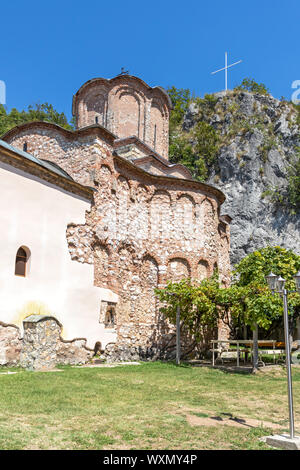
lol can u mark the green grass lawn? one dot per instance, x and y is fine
(149, 406)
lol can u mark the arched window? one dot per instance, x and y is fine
(21, 261)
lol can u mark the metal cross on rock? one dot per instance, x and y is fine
(226, 68)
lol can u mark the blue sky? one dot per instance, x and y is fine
(49, 49)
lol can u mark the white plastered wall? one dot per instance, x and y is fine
(35, 214)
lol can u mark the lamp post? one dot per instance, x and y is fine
(277, 284)
(178, 352)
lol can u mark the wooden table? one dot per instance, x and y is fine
(237, 342)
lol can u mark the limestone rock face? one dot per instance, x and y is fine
(259, 137)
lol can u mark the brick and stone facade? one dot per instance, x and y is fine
(149, 221)
(126, 106)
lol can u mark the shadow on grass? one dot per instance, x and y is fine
(182, 365)
(235, 370)
(228, 369)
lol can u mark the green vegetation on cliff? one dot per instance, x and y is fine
(294, 183)
(201, 127)
(197, 149)
(249, 84)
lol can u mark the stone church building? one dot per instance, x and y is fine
(94, 219)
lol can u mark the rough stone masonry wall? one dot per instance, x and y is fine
(43, 348)
(77, 155)
(139, 236)
(10, 344)
(39, 344)
(142, 231)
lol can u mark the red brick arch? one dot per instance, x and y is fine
(180, 270)
(127, 106)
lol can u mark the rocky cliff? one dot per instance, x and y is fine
(258, 142)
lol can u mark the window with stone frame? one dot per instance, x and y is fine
(110, 316)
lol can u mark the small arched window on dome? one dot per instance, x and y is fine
(21, 262)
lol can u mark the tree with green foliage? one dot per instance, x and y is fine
(180, 149)
(203, 304)
(257, 265)
(197, 310)
(206, 148)
(247, 302)
(253, 269)
(180, 98)
(37, 112)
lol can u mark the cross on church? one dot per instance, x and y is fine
(226, 68)
(123, 71)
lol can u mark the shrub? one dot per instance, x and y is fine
(206, 141)
(198, 158)
(294, 183)
(251, 85)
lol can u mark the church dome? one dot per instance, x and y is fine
(126, 106)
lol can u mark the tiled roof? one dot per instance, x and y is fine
(46, 164)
